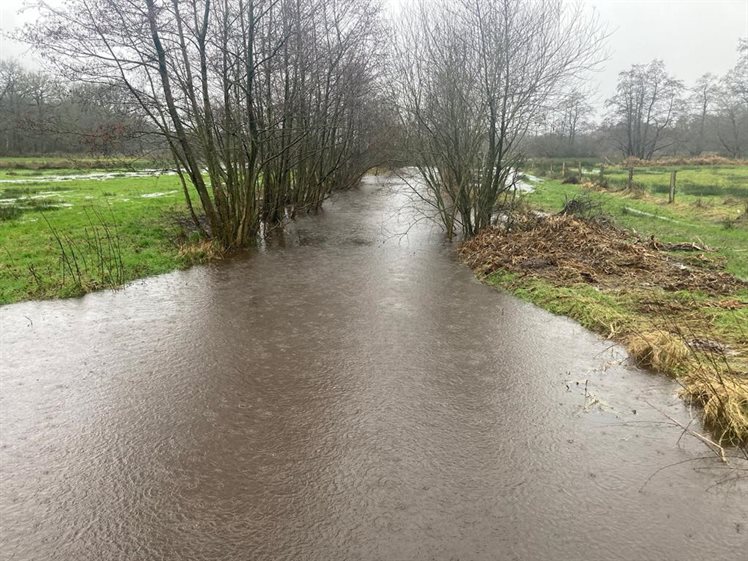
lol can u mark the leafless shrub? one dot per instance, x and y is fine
(470, 78)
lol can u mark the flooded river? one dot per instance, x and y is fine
(351, 393)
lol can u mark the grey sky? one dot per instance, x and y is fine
(692, 36)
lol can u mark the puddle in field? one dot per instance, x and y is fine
(157, 195)
(100, 176)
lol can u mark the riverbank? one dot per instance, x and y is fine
(711, 204)
(670, 301)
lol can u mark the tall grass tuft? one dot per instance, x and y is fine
(94, 260)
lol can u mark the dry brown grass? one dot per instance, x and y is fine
(658, 350)
(723, 396)
(566, 249)
(706, 378)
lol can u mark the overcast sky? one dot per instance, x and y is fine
(692, 36)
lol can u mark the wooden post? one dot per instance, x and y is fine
(580, 171)
(631, 177)
(563, 169)
(602, 173)
(671, 197)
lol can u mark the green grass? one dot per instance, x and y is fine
(617, 313)
(598, 311)
(137, 214)
(702, 181)
(719, 221)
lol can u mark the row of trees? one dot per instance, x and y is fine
(265, 105)
(652, 113)
(41, 114)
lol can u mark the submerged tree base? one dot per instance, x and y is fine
(687, 321)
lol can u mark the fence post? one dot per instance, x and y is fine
(580, 171)
(563, 169)
(631, 178)
(602, 173)
(671, 197)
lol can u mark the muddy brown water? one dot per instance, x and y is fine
(350, 394)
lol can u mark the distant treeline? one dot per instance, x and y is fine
(42, 115)
(651, 115)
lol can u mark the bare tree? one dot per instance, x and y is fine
(646, 103)
(262, 103)
(572, 115)
(564, 122)
(471, 78)
(732, 105)
(11, 101)
(702, 102)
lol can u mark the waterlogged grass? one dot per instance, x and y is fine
(32, 175)
(720, 222)
(31, 167)
(65, 238)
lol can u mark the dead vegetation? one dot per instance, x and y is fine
(638, 292)
(566, 249)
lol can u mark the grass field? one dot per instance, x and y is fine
(65, 232)
(697, 181)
